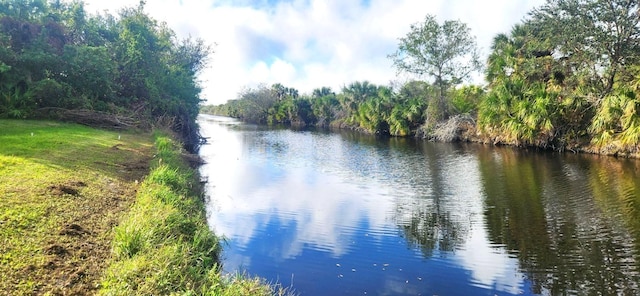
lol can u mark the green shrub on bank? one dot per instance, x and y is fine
(164, 246)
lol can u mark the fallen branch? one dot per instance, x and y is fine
(452, 129)
(91, 118)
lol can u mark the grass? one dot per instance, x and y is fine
(62, 188)
(163, 246)
(78, 216)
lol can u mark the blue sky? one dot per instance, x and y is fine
(313, 43)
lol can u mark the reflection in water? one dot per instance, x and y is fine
(562, 216)
(347, 214)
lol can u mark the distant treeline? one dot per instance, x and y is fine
(125, 69)
(566, 77)
(360, 106)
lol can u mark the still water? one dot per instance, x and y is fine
(348, 214)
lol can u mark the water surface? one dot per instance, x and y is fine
(348, 214)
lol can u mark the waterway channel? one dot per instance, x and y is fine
(339, 213)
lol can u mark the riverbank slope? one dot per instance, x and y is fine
(461, 128)
(78, 215)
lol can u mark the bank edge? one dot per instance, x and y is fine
(163, 245)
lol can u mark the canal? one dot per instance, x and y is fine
(338, 213)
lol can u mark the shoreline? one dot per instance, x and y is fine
(464, 129)
(92, 211)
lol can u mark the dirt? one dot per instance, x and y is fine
(74, 230)
(77, 253)
(69, 188)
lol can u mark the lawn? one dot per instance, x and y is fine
(63, 187)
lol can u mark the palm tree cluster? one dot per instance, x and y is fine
(361, 106)
(566, 77)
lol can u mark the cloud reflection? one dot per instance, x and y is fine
(324, 208)
(259, 181)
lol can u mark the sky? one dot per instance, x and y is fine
(307, 44)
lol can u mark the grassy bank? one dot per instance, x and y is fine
(82, 211)
(163, 246)
(62, 189)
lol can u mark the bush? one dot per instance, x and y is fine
(49, 93)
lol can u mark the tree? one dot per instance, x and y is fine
(55, 56)
(532, 96)
(465, 99)
(599, 41)
(255, 104)
(446, 53)
(599, 37)
(321, 92)
(325, 109)
(355, 94)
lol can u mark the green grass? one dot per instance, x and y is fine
(86, 211)
(163, 246)
(62, 188)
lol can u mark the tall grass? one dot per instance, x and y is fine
(164, 246)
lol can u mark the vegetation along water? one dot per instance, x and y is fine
(400, 216)
(564, 78)
(93, 211)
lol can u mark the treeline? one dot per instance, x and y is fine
(566, 77)
(124, 70)
(360, 106)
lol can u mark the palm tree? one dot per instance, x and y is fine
(354, 95)
(521, 106)
(322, 92)
(279, 91)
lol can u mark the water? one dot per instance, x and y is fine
(348, 214)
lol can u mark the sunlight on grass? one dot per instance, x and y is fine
(164, 246)
(62, 188)
(76, 220)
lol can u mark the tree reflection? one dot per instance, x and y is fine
(572, 221)
(616, 191)
(429, 230)
(426, 220)
(557, 214)
(423, 215)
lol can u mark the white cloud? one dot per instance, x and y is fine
(308, 44)
(322, 211)
(323, 219)
(283, 71)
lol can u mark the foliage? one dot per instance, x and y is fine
(529, 98)
(55, 55)
(599, 37)
(446, 53)
(360, 105)
(465, 100)
(564, 78)
(617, 122)
(325, 106)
